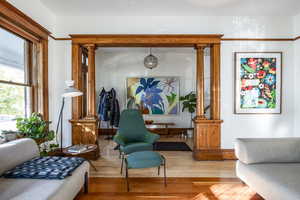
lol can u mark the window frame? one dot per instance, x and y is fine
(20, 24)
(28, 76)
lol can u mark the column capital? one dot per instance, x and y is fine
(201, 46)
(90, 46)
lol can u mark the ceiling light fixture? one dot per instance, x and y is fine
(150, 61)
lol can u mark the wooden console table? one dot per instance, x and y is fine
(165, 125)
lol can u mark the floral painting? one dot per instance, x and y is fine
(258, 83)
(154, 95)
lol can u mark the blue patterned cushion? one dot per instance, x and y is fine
(48, 167)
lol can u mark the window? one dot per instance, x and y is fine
(15, 84)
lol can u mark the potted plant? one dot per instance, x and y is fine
(38, 129)
(9, 135)
(189, 103)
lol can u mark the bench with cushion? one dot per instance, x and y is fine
(270, 166)
(19, 151)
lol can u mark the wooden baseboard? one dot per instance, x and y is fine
(228, 154)
(214, 154)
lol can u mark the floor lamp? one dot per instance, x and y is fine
(69, 92)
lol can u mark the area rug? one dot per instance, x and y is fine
(171, 146)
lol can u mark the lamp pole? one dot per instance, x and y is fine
(60, 122)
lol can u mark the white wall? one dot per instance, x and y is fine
(297, 75)
(256, 125)
(114, 66)
(234, 26)
(230, 26)
(37, 11)
(59, 72)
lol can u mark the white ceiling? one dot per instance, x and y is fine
(173, 7)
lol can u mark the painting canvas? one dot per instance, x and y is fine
(258, 83)
(154, 95)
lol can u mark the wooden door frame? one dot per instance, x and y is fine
(207, 134)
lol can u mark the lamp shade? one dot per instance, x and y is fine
(70, 91)
(150, 61)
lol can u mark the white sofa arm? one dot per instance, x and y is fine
(267, 150)
(17, 152)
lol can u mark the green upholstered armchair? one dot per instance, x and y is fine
(133, 135)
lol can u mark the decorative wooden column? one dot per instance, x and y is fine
(84, 128)
(91, 91)
(215, 82)
(200, 82)
(207, 131)
(76, 76)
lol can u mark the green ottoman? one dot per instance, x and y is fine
(145, 159)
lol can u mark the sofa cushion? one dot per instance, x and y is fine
(30, 189)
(272, 181)
(16, 152)
(45, 167)
(268, 150)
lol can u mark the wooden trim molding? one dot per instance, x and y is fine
(228, 154)
(258, 39)
(138, 40)
(20, 20)
(222, 39)
(54, 38)
(262, 39)
(215, 154)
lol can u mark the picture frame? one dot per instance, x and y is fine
(167, 91)
(257, 82)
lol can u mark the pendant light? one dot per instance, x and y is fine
(150, 61)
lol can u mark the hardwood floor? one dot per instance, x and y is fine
(177, 188)
(179, 163)
(187, 178)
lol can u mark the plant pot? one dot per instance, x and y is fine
(190, 133)
(10, 136)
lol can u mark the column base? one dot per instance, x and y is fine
(208, 154)
(207, 139)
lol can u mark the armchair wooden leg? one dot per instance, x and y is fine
(86, 183)
(165, 173)
(122, 162)
(127, 181)
(158, 170)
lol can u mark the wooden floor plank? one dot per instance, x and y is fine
(179, 163)
(177, 188)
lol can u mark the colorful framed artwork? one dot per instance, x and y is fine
(258, 82)
(154, 95)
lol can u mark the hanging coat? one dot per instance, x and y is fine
(108, 107)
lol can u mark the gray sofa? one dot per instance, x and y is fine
(271, 167)
(16, 152)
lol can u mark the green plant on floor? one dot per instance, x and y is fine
(38, 129)
(189, 103)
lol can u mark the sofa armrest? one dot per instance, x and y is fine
(17, 152)
(267, 150)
